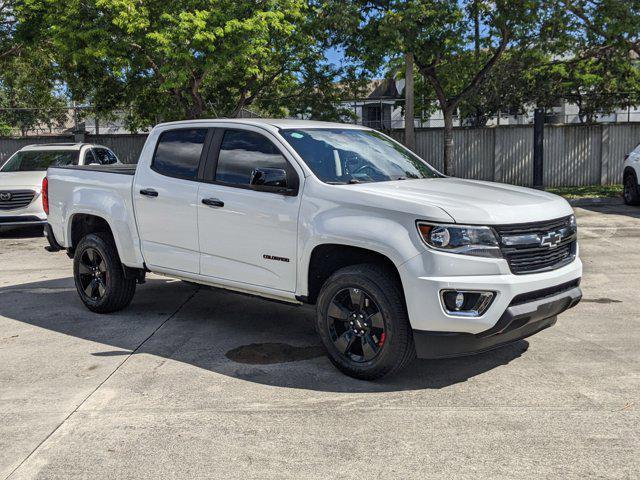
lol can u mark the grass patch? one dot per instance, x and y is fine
(591, 191)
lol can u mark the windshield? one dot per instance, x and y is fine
(31, 161)
(341, 156)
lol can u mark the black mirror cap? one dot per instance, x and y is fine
(275, 180)
(269, 177)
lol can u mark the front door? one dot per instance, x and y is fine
(247, 234)
(165, 198)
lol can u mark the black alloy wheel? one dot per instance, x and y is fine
(362, 320)
(356, 325)
(92, 273)
(99, 275)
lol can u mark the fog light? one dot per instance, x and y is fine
(466, 303)
(459, 300)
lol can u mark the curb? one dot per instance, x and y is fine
(590, 202)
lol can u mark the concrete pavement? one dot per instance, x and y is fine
(193, 382)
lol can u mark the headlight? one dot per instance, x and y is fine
(462, 239)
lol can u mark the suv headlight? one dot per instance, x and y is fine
(462, 239)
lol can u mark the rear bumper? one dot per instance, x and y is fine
(517, 322)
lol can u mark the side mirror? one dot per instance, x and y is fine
(269, 177)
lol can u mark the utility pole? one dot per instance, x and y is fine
(409, 131)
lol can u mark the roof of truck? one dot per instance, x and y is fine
(277, 123)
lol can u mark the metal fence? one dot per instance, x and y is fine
(573, 154)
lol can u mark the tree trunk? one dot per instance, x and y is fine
(448, 141)
(409, 131)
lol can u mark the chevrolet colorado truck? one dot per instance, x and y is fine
(399, 260)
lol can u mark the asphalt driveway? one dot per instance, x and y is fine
(194, 382)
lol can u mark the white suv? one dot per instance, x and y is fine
(22, 174)
(630, 177)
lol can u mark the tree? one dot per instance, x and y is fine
(184, 58)
(28, 84)
(440, 34)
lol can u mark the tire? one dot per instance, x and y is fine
(631, 191)
(99, 276)
(375, 289)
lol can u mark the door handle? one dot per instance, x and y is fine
(213, 202)
(148, 192)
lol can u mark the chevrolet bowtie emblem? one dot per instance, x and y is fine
(551, 239)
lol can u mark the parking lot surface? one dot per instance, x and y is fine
(193, 382)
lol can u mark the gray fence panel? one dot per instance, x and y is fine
(126, 147)
(514, 155)
(574, 154)
(474, 153)
(622, 139)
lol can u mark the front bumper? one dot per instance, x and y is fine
(462, 272)
(520, 320)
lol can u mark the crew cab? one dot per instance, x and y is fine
(398, 259)
(21, 178)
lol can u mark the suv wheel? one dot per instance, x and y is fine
(363, 323)
(631, 193)
(99, 276)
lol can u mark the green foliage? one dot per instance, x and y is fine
(27, 77)
(185, 58)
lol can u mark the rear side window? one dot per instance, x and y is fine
(243, 151)
(178, 153)
(39, 161)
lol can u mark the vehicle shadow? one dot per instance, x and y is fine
(235, 335)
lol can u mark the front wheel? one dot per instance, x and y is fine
(363, 323)
(99, 276)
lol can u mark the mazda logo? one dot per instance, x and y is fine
(5, 196)
(551, 239)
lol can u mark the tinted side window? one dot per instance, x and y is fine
(242, 152)
(178, 153)
(104, 156)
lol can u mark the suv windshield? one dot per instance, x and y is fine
(341, 156)
(34, 160)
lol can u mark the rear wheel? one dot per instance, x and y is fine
(99, 276)
(362, 320)
(631, 193)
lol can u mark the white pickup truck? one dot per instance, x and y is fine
(398, 259)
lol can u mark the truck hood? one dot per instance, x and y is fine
(473, 201)
(21, 179)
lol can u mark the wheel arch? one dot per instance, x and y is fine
(327, 258)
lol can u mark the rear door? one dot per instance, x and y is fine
(165, 197)
(248, 233)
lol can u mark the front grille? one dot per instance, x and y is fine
(522, 248)
(12, 199)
